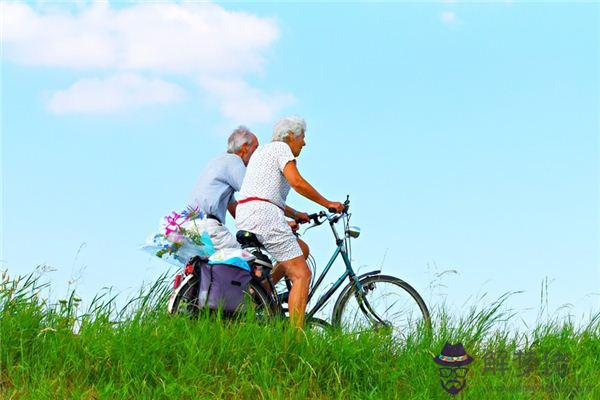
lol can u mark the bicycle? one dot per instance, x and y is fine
(364, 303)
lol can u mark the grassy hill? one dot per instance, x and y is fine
(139, 352)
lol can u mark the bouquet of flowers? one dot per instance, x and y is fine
(176, 242)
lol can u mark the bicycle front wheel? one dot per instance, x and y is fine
(384, 302)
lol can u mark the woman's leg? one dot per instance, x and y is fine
(277, 273)
(298, 272)
(304, 247)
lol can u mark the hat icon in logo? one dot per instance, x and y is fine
(453, 373)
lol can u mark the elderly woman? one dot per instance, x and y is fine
(262, 210)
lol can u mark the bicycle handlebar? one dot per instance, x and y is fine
(334, 216)
(315, 216)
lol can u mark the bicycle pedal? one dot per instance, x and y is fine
(283, 297)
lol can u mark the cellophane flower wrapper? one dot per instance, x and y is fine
(175, 244)
(178, 253)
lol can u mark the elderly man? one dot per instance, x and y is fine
(213, 193)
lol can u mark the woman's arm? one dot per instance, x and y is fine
(296, 215)
(300, 185)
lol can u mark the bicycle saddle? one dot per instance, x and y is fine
(248, 239)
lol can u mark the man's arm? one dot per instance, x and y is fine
(236, 173)
(231, 208)
(231, 205)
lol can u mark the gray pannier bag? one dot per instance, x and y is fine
(222, 286)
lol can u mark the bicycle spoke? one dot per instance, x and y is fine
(387, 299)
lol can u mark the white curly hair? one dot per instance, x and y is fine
(285, 125)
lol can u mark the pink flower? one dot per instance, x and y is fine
(175, 237)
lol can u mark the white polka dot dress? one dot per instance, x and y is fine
(264, 179)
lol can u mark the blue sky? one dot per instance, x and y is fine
(466, 134)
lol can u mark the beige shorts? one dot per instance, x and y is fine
(219, 234)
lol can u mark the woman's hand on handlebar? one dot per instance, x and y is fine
(336, 207)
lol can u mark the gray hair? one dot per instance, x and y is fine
(240, 136)
(285, 125)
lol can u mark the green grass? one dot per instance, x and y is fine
(138, 352)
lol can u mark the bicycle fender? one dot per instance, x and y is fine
(349, 286)
(176, 292)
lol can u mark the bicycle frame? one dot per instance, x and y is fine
(349, 272)
(341, 249)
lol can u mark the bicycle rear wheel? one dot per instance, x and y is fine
(185, 301)
(386, 302)
(256, 302)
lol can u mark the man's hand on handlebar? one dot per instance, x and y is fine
(301, 218)
(294, 225)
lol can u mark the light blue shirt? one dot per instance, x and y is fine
(215, 187)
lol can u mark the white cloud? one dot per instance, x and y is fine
(242, 103)
(57, 39)
(117, 93)
(186, 37)
(448, 17)
(199, 41)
